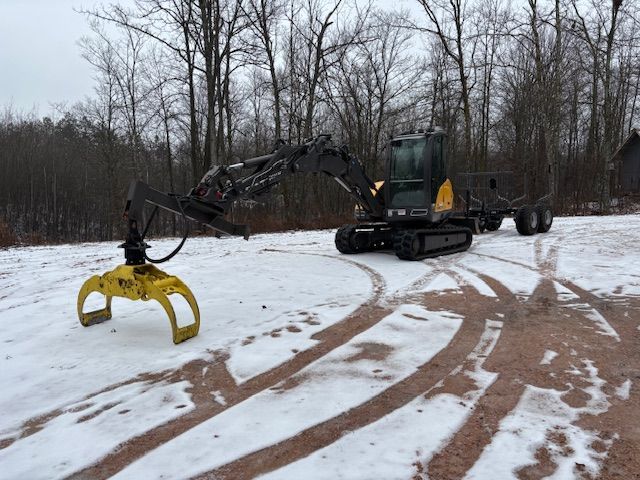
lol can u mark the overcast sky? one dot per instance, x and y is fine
(40, 62)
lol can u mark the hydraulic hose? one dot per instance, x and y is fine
(180, 245)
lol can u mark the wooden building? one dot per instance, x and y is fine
(626, 163)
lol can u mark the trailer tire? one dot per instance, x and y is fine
(494, 224)
(545, 218)
(527, 220)
(343, 239)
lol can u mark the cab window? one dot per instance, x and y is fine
(406, 177)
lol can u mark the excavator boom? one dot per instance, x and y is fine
(207, 204)
(255, 178)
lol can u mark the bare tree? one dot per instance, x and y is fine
(446, 20)
(263, 17)
(367, 86)
(599, 35)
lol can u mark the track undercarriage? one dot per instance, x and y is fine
(408, 243)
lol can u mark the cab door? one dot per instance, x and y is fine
(406, 186)
(441, 188)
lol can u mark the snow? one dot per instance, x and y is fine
(93, 427)
(548, 357)
(474, 280)
(219, 398)
(604, 327)
(564, 294)
(441, 283)
(519, 280)
(267, 300)
(540, 413)
(622, 392)
(43, 342)
(600, 254)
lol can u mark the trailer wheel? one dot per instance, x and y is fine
(343, 239)
(494, 224)
(527, 220)
(545, 218)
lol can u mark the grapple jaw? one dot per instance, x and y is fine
(139, 282)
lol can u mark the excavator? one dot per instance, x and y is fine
(410, 212)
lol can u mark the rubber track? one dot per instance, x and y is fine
(345, 233)
(342, 239)
(403, 240)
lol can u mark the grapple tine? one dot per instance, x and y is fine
(139, 282)
(96, 316)
(180, 334)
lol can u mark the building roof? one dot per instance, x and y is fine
(633, 135)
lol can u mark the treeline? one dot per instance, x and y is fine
(67, 181)
(547, 89)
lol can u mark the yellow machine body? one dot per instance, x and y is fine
(139, 282)
(358, 211)
(379, 184)
(444, 200)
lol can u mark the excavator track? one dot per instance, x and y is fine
(407, 243)
(363, 238)
(418, 244)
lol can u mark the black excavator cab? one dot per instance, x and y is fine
(416, 175)
(417, 200)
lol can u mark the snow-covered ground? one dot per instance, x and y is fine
(326, 359)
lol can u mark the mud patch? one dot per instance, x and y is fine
(370, 351)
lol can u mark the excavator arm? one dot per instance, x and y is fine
(252, 179)
(207, 204)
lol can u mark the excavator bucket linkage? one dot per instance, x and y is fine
(139, 282)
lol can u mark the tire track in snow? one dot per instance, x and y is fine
(547, 263)
(546, 268)
(540, 299)
(428, 376)
(617, 317)
(519, 332)
(623, 458)
(466, 445)
(396, 396)
(366, 316)
(421, 281)
(317, 437)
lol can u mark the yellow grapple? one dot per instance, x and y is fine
(139, 282)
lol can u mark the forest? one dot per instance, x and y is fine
(547, 89)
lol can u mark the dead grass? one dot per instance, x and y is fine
(7, 236)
